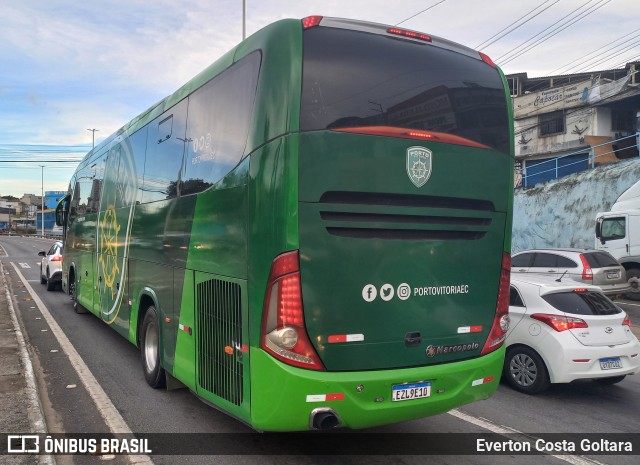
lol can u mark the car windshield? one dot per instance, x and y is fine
(582, 303)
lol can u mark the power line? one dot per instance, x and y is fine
(485, 44)
(524, 48)
(609, 57)
(420, 12)
(567, 65)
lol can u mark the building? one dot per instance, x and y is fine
(51, 198)
(6, 214)
(569, 123)
(31, 199)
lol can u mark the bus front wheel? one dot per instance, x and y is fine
(150, 350)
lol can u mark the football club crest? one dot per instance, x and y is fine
(419, 165)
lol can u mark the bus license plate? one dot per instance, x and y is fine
(610, 363)
(613, 274)
(402, 392)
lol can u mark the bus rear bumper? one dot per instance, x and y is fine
(284, 398)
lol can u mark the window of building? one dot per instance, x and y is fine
(551, 123)
(623, 120)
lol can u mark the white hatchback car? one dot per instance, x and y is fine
(51, 266)
(564, 331)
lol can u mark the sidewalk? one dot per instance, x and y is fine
(20, 411)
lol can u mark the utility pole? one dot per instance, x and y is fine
(244, 19)
(42, 202)
(93, 137)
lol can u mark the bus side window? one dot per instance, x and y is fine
(218, 124)
(164, 153)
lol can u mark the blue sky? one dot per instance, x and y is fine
(68, 66)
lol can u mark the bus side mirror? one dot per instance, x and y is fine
(61, 211)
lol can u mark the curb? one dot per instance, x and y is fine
(34, 410)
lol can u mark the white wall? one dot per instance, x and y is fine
(562, 213)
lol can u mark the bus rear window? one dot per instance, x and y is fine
(353, 79)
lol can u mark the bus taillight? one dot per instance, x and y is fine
(487, 60)
(311, 21)
(283, 331)
(500, 325)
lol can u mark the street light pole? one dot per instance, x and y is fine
(42, 202)
(244, 19)
(93, 137)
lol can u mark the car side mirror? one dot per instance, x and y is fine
(42, 253)
(599, 231)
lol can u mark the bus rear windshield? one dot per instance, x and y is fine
(353, 78)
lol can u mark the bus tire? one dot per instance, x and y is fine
(79, 309)
(150, 350)
(525, 370)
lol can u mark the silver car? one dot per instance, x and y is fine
(51, 266)
(588, 266)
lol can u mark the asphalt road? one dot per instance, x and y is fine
(581, 407)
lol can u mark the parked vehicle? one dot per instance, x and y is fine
(618, 232)
(588, 266)
(51, 266)
(564, 331)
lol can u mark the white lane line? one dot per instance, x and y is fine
(504, 430)
(111, 416)
(5, 251)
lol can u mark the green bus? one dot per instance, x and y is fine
(313, 232)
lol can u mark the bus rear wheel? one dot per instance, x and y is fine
(150, 350)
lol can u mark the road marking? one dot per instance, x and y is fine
(505, 430)
(109, 413)
(4, 250)
(24, 265)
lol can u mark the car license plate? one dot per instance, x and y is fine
(401, 392)
(610, 363)
(613, 274)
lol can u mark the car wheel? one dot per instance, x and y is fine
(51, 285)
(525, 371)
(633, 278)
(150, 350)
(610, 380)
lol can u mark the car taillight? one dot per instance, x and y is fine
(283, 330)
(57, 258)
(587, 272)
(560, 323)
(501, 320)
(626, 321)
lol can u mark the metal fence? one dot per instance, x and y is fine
(538, 171)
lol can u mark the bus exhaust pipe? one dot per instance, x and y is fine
(324, 419)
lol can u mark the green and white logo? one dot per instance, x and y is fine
(419, 165)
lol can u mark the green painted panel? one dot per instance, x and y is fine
(277, 388)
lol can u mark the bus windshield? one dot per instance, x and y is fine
(353, 79)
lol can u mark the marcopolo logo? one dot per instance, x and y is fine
(419, 165)
(432, 351)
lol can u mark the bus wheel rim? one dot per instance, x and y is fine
(151, 348)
